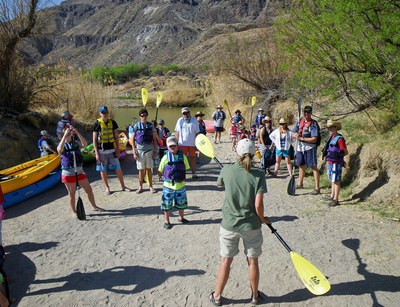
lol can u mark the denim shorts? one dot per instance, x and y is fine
(282, 153)
(229, 242)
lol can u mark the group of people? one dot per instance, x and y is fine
(245, 186)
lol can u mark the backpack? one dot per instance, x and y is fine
(319, 137)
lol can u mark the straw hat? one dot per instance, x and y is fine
(266, 119)
(219, 107)
(199, 114)
(333, 123)
(282, 121)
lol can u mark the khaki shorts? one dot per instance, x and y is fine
(229, 242)
(145, 160)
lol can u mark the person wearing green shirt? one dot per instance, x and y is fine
(173, 166)
(242, 217)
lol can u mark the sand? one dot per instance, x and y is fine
(124, 256)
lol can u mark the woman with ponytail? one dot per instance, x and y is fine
(242, 217)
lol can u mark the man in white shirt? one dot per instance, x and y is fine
(186, 130)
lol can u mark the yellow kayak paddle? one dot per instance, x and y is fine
(204, 145)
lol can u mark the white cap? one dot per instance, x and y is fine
(185, 109)
(172, 141)
(44, 132)
(245, 146)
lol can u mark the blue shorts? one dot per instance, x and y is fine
(334, 172)
(282, 153)
(108, 161)
(173, 197)
(218, 129)
(307, 158)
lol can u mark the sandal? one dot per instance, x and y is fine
(256, 301)
(138, 191)
(99, 209)
(299, 186)
(214, 300)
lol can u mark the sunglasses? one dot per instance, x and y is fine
(307, 112)
(143, 115)
(282, 124)
(172, 146)
(104, 112)
(185, 113)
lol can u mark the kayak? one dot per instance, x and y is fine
(88, 153)
(27, 173)
(15, 197)
(123, 141)
(209, 126)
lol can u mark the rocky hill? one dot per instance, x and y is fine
(88, 33)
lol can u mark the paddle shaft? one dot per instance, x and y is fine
(299, 100)
(156, 113)
(227, 106)
(76, 175)
(217, 161)
(275, 232)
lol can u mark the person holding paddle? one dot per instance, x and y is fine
(219, 117)
(69, 149)
(242, 218)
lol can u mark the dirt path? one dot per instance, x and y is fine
(124, 257)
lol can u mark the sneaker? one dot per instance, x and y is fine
(195, 177)
(167, 225)
(315, 192)
(183, 221)
(333, 203)
(326, 198)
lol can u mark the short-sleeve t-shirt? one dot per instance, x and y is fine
(97, 128)
(241, 188)
(163, 163)
(187, 129)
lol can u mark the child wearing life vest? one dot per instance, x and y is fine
(173, 168)
(334, 151)
(233, 133)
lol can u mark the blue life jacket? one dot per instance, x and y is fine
(202, 127)
(39, 144)
(144, 133)
(67, 156)
(259, 118)
(175, 170)
(334, 154)
(237, 118)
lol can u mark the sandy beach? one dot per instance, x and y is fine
(124, 256)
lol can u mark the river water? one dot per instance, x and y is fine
(126, 115)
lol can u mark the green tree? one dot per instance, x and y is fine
(351, 47)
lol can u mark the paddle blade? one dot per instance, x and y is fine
(145, 96)
(80, 209)
(311, 277)
(253, 101)
(159, 99)
(291, 188)
(226, 103)
(203, 144)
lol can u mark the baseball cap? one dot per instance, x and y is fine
(161, 122)
(44, 132)
(171, 141)
(260, 109)
(65, 115)
(245, 146)
(185, 109)
(103, 108)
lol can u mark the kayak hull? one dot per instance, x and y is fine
(18, 196)
(26, 176)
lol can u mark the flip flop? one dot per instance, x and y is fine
(99, 209)
(214, 300)
(138, 191)
(127, 189)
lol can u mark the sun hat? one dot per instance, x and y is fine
(245, 146)
(44, 132)
(266, 119)
(103, 108)
(260, 109)
(65, 115)
(282, 121)
(333, 123)
(238, 111)
(172, 141)
(161, 122)
(185, 109)
(199, 114)
(219, 107)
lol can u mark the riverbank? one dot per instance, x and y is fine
(124, 256)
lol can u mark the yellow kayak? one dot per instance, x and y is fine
(123, 141)
(27, 173)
